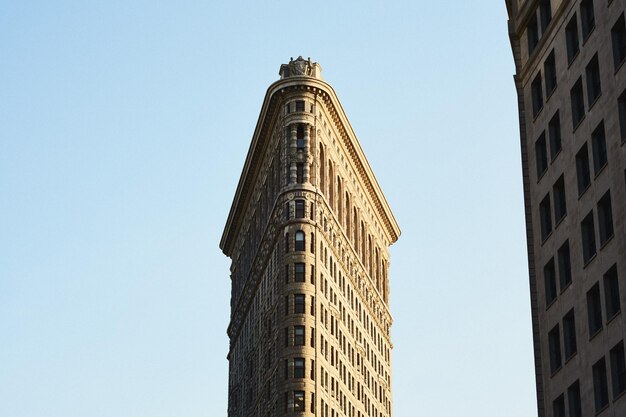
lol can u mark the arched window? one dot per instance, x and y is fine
(339, 207)
(300, 240)
(312, 242)
(355, 236)
(331, 189)
(347, 211)
(322, 170)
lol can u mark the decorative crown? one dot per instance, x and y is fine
(300, 67)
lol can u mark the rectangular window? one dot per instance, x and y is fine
(560, 206)
(565, 265)
(573, 400)
(542, 155)
(298, 335)
(299, 134)
(578, 103)
(554, 344)
(537, 95)
(299, 243)
(587, 17)
(298, 368)
(545, 214)
(545, 14)
(621, 104)
(550, 282)
(598, 146)
(299, 272)
(592, 72)
(298, 304)
(569, 335)
(618, 36)
(583, 172)
(299, 105)
(588, 234)
(571, 38)
(611, 293)
(618, 369)
(286, 370)
(549, 69)
(554, 130)
(600, 385)
(300, 209)
(532, 32)
(298, 402)
(558, 406)
(605, 218)
(594, 311)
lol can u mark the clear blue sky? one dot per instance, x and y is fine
(124, 126)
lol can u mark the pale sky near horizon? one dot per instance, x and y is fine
(124, 126)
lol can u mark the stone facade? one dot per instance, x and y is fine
(571, 86)
(308, 234)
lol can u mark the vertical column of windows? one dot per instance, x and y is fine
(293, 166)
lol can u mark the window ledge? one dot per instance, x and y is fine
(582, 119)
(569, 64)
(586, 38)
(593, 336)
(556, 371)
(606, 242)
(584, 190)
(595, 100)
(543, 174)
(536, 115)
(619, 66)
(600, 411)
(551, 303)
(591, 258)
(613, 317)
(559, 221)
(551, 93)
(556, 155)
(544, 240)
(601, 170)
(566, 286)
(572, 356)
(620, 395)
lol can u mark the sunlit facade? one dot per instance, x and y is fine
(308, 234)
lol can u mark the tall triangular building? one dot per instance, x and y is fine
(308, 234)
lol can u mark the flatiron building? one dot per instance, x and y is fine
(308, 234)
